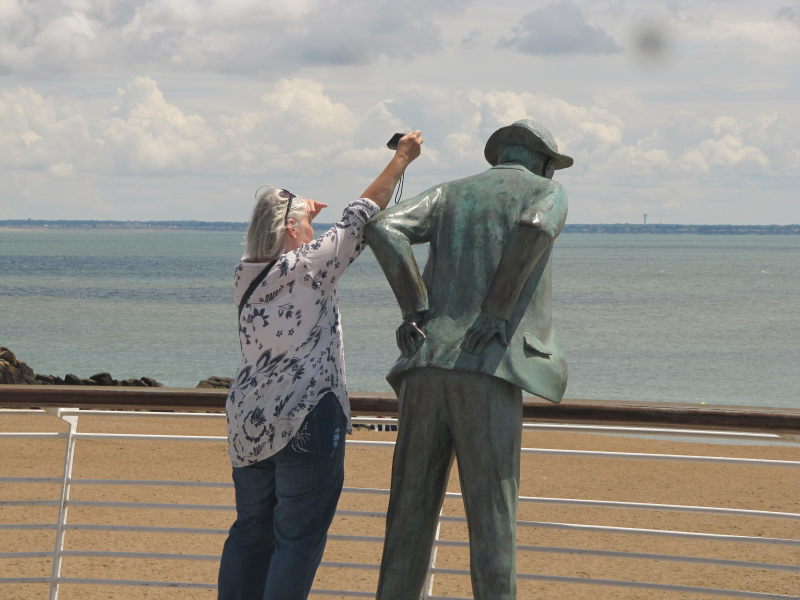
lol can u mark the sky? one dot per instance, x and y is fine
(685, 110)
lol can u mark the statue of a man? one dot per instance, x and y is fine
(476, 331)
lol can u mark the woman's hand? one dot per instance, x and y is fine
(314, 208)
(410, 146)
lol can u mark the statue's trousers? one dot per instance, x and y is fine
(479, 418)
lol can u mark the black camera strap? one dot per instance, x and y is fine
(253, 285)
(399, 191)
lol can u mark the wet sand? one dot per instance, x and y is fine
(772, 488)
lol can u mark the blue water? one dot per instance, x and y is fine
(677, 318)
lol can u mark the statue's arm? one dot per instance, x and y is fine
(391, 234)
(530, 240)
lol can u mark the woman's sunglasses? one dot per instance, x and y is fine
(288, 196)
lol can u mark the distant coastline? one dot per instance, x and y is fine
(676, 228)
(661, 228)
(98, 224)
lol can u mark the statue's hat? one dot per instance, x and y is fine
(528, 134)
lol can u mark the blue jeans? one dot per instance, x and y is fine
(284, 507)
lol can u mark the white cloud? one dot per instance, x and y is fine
(760, 30)
(298, 123)
(727, 151)
(271, 37)
(577, 129)
(144, 133)
(301, 103)
(359, 159)
(36, 131)
(59, 38)
(62, 170)
(463, 146)
(790, 13)
(754, 36)
(559, 28)
(30, 137)
(366, 29)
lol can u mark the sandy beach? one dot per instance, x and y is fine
(772, 488)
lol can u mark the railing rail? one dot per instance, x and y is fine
(573, 411)
(726, 423)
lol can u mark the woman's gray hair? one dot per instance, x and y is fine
(267, 230)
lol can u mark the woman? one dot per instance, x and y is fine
(287, 409)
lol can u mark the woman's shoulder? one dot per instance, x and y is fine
(246, 270)
(362, 208)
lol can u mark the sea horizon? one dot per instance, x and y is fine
(202, 225)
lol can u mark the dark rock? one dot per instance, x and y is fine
(49, 380)
(103, 379)
(7, 355)
(13, 370)
(70, 379)
(216, 382)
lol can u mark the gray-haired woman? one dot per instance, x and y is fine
(287, 409)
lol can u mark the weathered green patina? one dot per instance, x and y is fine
(476, 331)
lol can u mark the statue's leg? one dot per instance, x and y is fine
(420, 470)
(486, 419)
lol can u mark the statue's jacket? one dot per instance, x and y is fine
(470, 224)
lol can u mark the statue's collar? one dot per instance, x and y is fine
(511, 166)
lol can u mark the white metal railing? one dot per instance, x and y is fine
(67, 482)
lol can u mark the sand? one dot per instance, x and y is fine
(772, 488)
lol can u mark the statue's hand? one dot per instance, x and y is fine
(483, 330)
(409, 335)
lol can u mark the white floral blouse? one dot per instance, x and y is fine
(291, 338)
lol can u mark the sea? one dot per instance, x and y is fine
(698, 319)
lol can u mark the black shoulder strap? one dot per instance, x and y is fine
(254, 285)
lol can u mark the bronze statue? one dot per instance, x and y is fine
(476, 331)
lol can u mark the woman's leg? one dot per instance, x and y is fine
(308, 481)
(251, 541)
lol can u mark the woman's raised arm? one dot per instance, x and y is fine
(408, 148)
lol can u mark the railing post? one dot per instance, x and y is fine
(72, 422)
